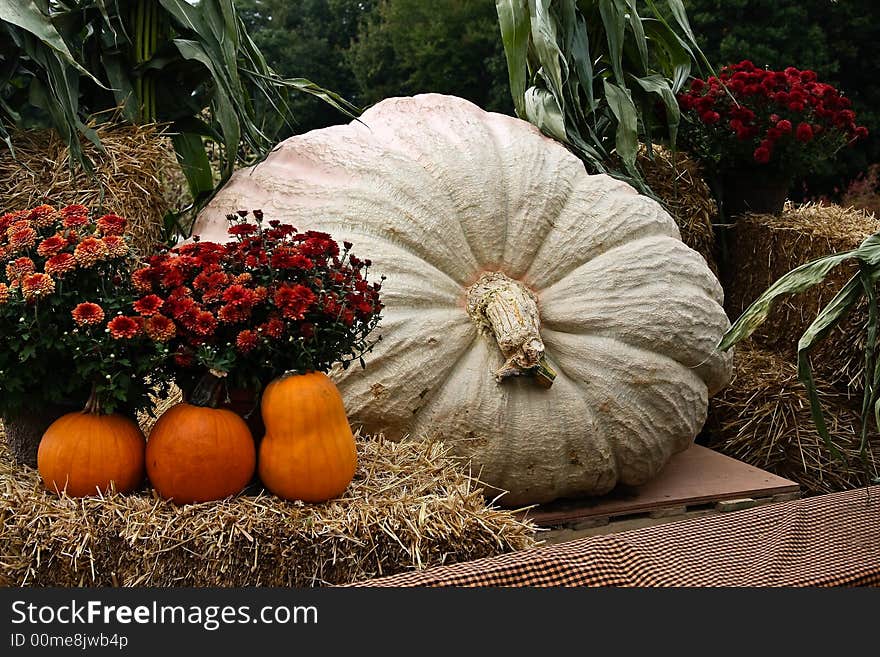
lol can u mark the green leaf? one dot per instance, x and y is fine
(542, 109)
(194, 163)
(797, 280)
(614, 24)
(26, 15)
(658, 85)
(513, 18)
(627, 139)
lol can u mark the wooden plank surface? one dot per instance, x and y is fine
(696, 476)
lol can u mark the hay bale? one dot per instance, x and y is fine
(410, 506)
(763, 418)
(678, 181)
(131, 178)
(764, 247)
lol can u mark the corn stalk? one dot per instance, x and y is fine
(590, 72)
(862, 286)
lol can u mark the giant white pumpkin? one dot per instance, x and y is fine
(504, 257)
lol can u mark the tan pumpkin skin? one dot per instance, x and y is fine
(199, 454)
(308, 452)
(84, 452)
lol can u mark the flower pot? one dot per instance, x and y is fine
(246, 403)
(25, 427)
(753, 190)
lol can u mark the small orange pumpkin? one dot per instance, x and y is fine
(198, 454)
(308, 452)
(83, 452)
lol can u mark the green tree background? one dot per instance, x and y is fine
(367, 50)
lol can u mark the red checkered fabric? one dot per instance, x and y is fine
(828, 540)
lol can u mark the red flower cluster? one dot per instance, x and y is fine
(754, 112)
(295, 298)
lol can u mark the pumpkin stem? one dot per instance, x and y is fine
(507, 309)
(93, 403)
(208, 390)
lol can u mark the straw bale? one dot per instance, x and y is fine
(678, 181)
(764, 247)
(763, 418)
(137, 176)
(411, 505)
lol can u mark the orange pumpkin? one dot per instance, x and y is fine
(83, 452)
(198, 454)
(308, 452)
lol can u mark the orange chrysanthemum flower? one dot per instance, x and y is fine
(89, 252)
(160, 328)
(42, 216)
(111, 224)
(51, 246)
(75, 220)
(87, 314)
(140, 279)
(116, 245)
(60, 264)
(71, 210)
(21, 237)
(37, 286)
(124, 327)
(4, 293)
(18, 269)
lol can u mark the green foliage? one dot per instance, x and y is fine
(194, 66)
(861, 287)
(835, 39)
(592, 72)
(407, 47)
(308, 38)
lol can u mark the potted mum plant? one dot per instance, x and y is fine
(271, 308)
(70, 341)
(756, 130)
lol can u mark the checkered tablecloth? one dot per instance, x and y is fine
(828, 540)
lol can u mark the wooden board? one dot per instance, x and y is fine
(698, 476)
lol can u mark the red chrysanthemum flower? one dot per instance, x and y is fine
(21, 237)
(116, 245)
(37, 286)
(762, 155)
(74, 210)
(247, 341)
(242, 229)
(293, 300)
(18, 269)
(42, 216)
(205, 323)
(148, 305)
(112, 224)
(75, 220)
(804, 132)
(160, 328)
(51, 246)
(274, 328)
(230, 314)
(142, 279)
(87, 314)
(60, 264)
(184, 359)
(238, 295)
(89, 252)
(122, 327)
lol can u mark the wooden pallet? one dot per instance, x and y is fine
(696, 482)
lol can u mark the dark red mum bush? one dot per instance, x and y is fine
(786, 120)
(270, 301)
